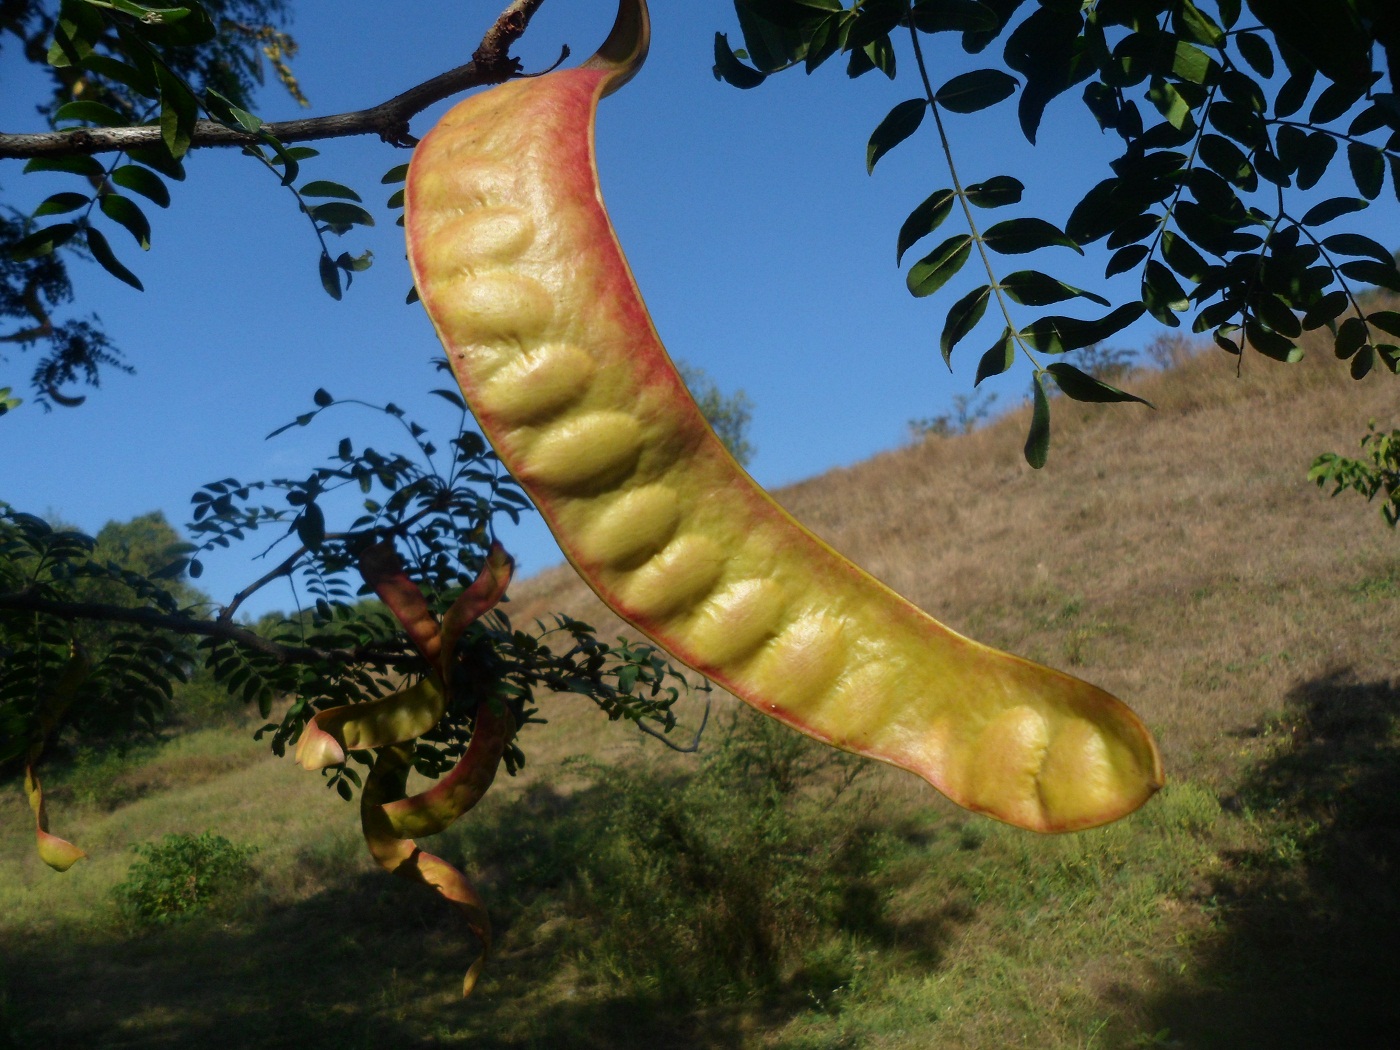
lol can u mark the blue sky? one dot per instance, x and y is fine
(764, 250)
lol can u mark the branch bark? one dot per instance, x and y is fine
(179, 624)
(491, 63)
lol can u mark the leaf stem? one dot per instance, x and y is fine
(963, 200)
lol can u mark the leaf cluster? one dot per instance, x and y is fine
(437, 504)
(123, 64)
(1377, 473)
(1228, 116)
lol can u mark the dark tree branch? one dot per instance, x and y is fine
(180, 624)
(491, 63)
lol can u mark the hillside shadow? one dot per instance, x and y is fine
(371, 961)
(1307, 924)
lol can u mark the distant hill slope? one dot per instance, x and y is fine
(1175, 556)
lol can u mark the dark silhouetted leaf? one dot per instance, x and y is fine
(923, 220)
(1271, 343)
(964, 16)
(78, 164)
(1277, 314)
(330, 276)
(1080, 386)
(995, 192)
(124, 211)
(962, 319)
(1367, 168)
(1018, 236)
(102, 252)
(59, 203)
(156, 157)
(43, 241)
(1326, 310)
(1038, 439)
(323, 188)
(1056, 334)
(341, 213)
(1382, 275)
(1334, 101)
(1257, 53)
(1332, 208)
(1125, 259)
(933, 271)
(1162, 293)
(728, 68)
(139, 180)
(90, 112)
(1321, 148)
(998, 358)
(1386, 320)
(452, 398)
(1351, 337)
(1294, 93)
(1183, 258)
(1357, 244)
(977, 90)
(1049, 51)
(898, 125)
(1033, 288)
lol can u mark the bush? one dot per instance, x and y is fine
(740, 880)
(181, 875)
(745, 877)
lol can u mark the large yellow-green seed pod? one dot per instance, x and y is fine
(520, 270)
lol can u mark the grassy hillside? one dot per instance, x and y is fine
(768, 894)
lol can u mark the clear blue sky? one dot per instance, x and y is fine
(764, 250)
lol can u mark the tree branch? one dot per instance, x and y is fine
(491, 63)
(178, 624)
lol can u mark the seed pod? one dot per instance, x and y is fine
(521, 273)
(410, 712)
(384, 787)
(57, 853)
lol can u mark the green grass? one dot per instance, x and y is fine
(768, 893)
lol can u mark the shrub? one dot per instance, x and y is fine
(180, 875)
(743, 878)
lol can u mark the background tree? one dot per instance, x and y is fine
(728, 414)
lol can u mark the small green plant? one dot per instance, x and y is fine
(180, 875)
(1376, 474)
(739, 877)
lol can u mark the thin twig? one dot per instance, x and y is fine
(491, 63)
(694, 744)
(290, 562)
